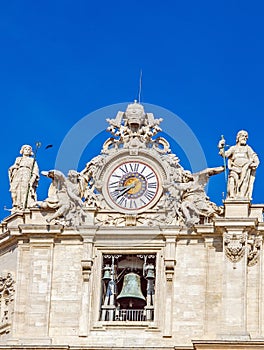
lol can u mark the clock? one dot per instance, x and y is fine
(133, 186)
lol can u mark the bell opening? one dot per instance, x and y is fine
(128, 287)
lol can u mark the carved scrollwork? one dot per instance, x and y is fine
(161, 145)
(86, 269)
(169, 268)
(110, 220)
(6, 299)
(110, 146)
(235, 246)
(254, 245)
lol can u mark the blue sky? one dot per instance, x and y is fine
(61, 60)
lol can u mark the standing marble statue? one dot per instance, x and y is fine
(23, 177)
(242, 162)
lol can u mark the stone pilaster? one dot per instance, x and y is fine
(87, 263)
(38, 305)
(254, 284)
(22, 289)
(35, 265)
(213, 284)
(234, 287)
(170, 262)
(34, 283)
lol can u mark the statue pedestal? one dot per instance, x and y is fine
(237, 208)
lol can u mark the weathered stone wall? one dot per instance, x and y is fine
(8, 260)
(189, 289)
(205, 290)
(66, 289)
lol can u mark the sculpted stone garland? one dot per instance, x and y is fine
(254, 246)
(6, 298)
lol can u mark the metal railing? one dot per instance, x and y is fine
(113, 314)
(130, 315)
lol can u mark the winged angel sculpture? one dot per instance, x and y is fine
(64, 196)
(190, 197)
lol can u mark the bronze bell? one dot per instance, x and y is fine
(107, 273)
(131, 293)
(150, 275)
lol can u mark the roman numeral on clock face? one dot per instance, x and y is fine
(152, 185)
(132, 204)
(124, 168)
(117, 176)
(113, 184)
(147, 172)
(134, 167)
(122, 202)
(150, 176)
(149, 194)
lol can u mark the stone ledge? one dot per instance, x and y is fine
(228, 345)
(236, 222)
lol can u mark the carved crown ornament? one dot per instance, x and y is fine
(235, 246)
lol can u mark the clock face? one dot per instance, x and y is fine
(133, 185)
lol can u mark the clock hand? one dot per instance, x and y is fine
(116, 192)
(126, 189)
(120, 188)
